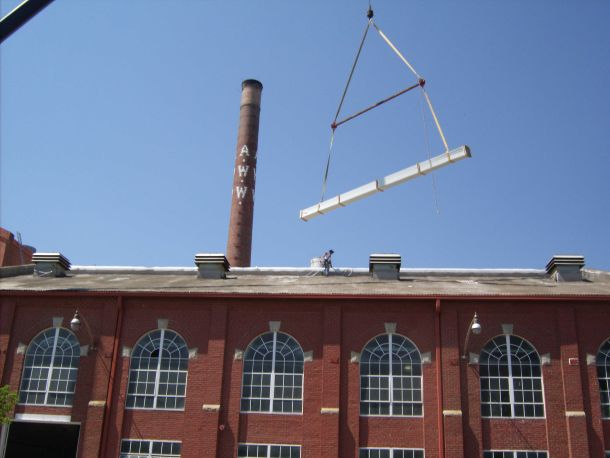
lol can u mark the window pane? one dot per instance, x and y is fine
(158, 372)
(273, 359)
(133, 448)
(390, 377)
(390, 453)
(50, 368)
(272, 451)
(603, 375)
(505, 361)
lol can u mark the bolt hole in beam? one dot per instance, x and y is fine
(387, 182)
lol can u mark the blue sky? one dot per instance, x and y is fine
(119, 126)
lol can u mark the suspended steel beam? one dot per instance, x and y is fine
(13, 21)
(394, 179)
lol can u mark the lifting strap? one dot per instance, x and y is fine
(438, 125)
(391, 45)
(351, 73)
(349, 80)
(421, 82)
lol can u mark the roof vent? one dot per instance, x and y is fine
(385, 266)
(212, 265)
(316, 262)
(50, 264)
(566, 267)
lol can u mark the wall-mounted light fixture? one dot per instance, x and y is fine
(475, 328)
(75, 323)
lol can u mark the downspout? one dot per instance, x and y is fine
(110, 391)
(439, 379)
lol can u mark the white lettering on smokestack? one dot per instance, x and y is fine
(244, 151)
(241, 191)
(243, 170)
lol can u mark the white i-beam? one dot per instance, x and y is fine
(381, 184)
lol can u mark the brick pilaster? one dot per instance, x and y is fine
(578, 444)
(451, 384)
(212, 405)
(331, 378)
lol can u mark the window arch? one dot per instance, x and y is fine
(390, 377)
(603, 376)
(273, 375)
(511, 379)
(50, 369)
(158, 372)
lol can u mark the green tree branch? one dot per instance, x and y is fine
(8, 399)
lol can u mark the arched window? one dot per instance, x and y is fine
(511, 379)
(273, 375)
(50, 369)
(159, 366)
(390, 377)
(603, 375)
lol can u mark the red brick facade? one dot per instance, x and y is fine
(332, 328)
(12, 253)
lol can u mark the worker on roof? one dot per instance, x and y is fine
(327, 262)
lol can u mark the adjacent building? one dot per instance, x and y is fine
(12, 251)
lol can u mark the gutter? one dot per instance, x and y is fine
(283, 296)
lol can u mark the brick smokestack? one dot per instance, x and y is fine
(239, 244)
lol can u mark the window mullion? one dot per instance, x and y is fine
(272, 376)
(158, 372)
(50, 374)
(390, 381)
(511, 392)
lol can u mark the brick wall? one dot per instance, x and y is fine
(332, 329)
(12, 253)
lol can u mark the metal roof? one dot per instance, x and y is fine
(309, 282)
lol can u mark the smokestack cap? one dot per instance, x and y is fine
(212, 265)
(50, 264)
(251, 83)
(566, 267)
(385, 266)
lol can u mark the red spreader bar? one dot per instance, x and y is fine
(420, 83)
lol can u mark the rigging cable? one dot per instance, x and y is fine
(427, 138)
(349, 79)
